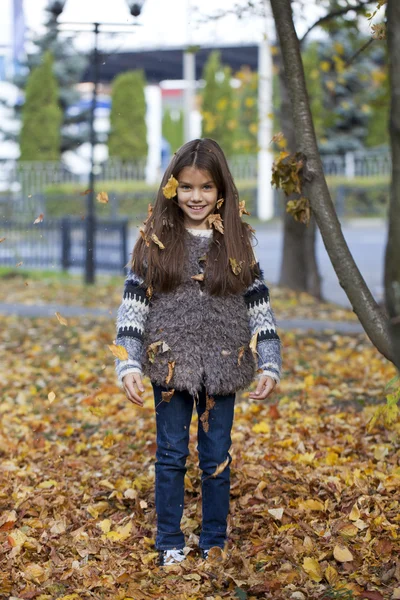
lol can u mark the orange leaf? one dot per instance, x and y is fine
(171, 367)
(39, 219)
(166, 396)
(85, 193)
(169, 190)
(119, 351)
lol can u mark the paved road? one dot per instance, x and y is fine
(366, 242)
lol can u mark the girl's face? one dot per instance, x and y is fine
(197, 196)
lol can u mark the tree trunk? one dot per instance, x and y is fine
(315, 188)
(299, 267)
(392, 259)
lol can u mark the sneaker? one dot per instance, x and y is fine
(171, 557)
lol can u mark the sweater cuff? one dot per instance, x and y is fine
(269, 358)
(125, 367)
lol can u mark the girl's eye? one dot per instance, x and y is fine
(208, 186)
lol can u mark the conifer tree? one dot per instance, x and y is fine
(128, 131)
(41, 115)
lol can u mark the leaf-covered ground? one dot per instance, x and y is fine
(25, 289)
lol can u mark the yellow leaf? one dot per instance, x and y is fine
(157, 241)
(331, 458)
(105, 525)
(261, 427)
(125, 530)
(169, 190)
(61, 319)
(342, 554)
(44, 485)
(312, 505)
(312, 568)
(102, 197)
(309, 381)
(119, 351)
(331, 575)
(221, 467)
(51, 396)
(33, 571)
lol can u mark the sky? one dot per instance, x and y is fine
(162, 22)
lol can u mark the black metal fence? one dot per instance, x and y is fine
(61, 244)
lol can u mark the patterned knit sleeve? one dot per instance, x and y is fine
(131, 321)
(262, 319)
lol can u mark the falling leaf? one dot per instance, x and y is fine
(215, 220)
(312, 568)
(51, 397)
(242, 209)
(119, 351)
(198, 277)
(253, 343)
(221, 467)
(342, 554)
(19, 264)
(171, 367)
(85, 193)
(277, 513)
(235, 266)
(166, 396)
(240, 354)
(39, 219)
(169, 190)
(61, 319)
(102, 197)
(220, 202)
(2, 240)
(157, 241)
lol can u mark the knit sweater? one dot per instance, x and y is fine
(203, 339)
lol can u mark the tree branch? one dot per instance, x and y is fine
(315, 188)
(332, 15)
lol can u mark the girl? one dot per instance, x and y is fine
(194, 301)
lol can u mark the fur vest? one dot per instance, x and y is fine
(207, 337)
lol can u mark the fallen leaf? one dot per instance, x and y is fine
(261, 427)
(312, 505)
(39, 219)
(51, 396)
(102, 197)
(166, 396)
(169, 190)
(215, 220)
(155, 239)
(312, 568)
(331, 575)
(342, 554)
(277, 513)
(119, 351)
(61, 319)
(171, 367)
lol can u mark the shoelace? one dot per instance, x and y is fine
(172, 556)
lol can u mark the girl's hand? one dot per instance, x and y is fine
(133, 386)
(265, 387)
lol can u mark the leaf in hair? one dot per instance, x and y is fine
(169, 190)
(157, 241)
(236, 266)
(149, 213)
(251, 228)
(215, 220)
(144, 237)
(220, 202)
(199, 277)
(171, 367)
(242, 208)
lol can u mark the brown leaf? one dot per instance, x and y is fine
(61, 319)
(119, 351)
(102, 197)
(144, 237)
(39, 219)
(242, 209)
(373, 595)
(273, 412)
(149, 213)
(235, 266)
(210, 402)
(85, 193)
(166, 396)
(156, 347)
(221, 467)
(215, 220)
(2, 240)
(198, 277)
(240, 355)
(157, 241)
(299, 209)
(253, 343)
(169, 190)
(149, 292)
(171, 367)
(220, 202)
(204, 420)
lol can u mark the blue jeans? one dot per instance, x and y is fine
(173, 420)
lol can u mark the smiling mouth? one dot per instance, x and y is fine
(196, 208)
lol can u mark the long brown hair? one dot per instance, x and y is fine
(162, 268)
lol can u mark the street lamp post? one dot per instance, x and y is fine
(56, 7)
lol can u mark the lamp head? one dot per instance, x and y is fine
(135, 7)
(55, 7)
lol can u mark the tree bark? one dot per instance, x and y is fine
(392, 259)
(299, 267)
(315, 188)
